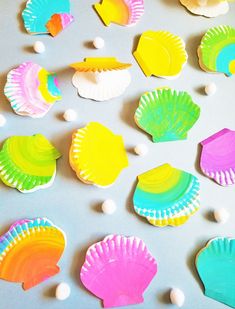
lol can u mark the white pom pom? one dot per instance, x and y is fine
(177, 297)
(141, 149)
(221, 215)
(98, 42)
(70, 115)
(109, 207)
(2, 120)
(210, 89)
(62, 291)
(39, 47)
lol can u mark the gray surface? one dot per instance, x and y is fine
(74, 206)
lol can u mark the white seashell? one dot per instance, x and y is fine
(39, 47)
(62, 291)
(98, 42)
(109, 207)
(2, 121)
(221, 215)
(177, 297)
(210, 89)
(141, 149)
(70, 115)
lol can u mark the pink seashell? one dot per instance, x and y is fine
(136, 8)
(118, 270)
(218, 157)
(59, 22)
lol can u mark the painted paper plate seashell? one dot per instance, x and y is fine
(166, 196)
(37, 14)
(30, 251)
(101, 79)
(59, 22)
(217, 50)
(28, 163)
(121, 12)
(97, 155)
(31, 90)
(216, 267)
(218, 157)
(161, 53)
(118, 270)
(207, 8)
(166, 114)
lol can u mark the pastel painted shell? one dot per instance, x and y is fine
(217, 50)
(207, 8)
(166, 196)
(166, 114)
(30, 251)
(218, 157)
(28, 163)
(59, 22)
(118, 270)
(31, 90)
(161, 53)
(122, 12)
(216, 267)
(97, 155)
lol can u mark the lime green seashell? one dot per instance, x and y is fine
(28, 163)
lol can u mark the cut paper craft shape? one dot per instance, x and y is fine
(28, 163)
(216, 267)
(101, 79)
(161, 53)
(217, 50)
(207, 8)
(97, 155)
(166, 114)
(121, 12)
(218, 157)
(166, 196)
(46, 16)
(31, 90)
(30, 251)
(118, 270)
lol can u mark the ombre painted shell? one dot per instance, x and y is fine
(212, 8)
(59, 22)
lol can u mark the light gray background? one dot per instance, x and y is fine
(74, 206)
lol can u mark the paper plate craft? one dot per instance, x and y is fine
(166, 114)
(217, 50)
(161, 53)
(31, 90)
(97, 155)
(121, 12)
(28, 163)
(166, 196)
(30, 251)
(101, 79)
(118, 270)
(207, 8)
(216, 267)
(218, 157)
(47, 16)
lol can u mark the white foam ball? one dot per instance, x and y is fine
(2, 120)
(109, 207)
(70, 115)
(39, 47)
(98, 42)
(177, 297)
(221, 215)
(62, 291)
(141, 149)
(210, 89)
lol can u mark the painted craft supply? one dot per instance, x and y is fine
(98, 42)
(28, 163)
(70, 115)
(161, 53)
(30, 251)
(118, 270)
(217, 50)
(121, 12)
(207, 8)
(166, 196)
(97, 155)
(3, 121)
(221, 215)
(58, 22)
(62, 291)
(217, 159)
(31, 90)
(166, 114)
(215, 264)
(100, 78)
(39, 47)
(177, 297)
(109, 207)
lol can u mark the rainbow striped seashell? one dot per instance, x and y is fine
(31, 90)
(28, 163)
(218, 157)
(121, 12)
(30, 251)
(59, 22)
(118, 270)
(207, 8)
(217, 50)
(216, 267)
(166, 114)
(97, 155)
(166, 196)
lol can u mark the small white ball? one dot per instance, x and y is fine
(109, 207)
(39, 47)
(210, 89)
(62, 291)
(141, 149)
(177, 297)
(221, 215)
(98, 42)
(70, 115)
(2, 120)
